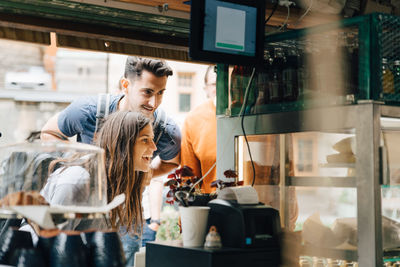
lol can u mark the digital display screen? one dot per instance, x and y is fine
(227, 31)
(229, 28)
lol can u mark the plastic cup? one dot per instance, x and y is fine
(194, 224)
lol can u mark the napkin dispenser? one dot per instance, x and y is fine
(244, 225)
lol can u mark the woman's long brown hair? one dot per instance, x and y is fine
(117, 137)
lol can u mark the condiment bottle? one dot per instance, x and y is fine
(387, 78)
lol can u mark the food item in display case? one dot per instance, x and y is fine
(346, 148)
(23, 198)
(341, 158)
(317, 234)
(346, 228)
(344, 233)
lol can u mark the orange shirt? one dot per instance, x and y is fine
(199, 142)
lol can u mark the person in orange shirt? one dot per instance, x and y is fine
(199, 135)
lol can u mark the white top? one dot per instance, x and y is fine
(67, 186)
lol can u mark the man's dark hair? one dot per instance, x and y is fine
(210, 68)
(135, 65)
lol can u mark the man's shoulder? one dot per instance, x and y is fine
(79, 110)
(162, 118)
(169, 140)
(84, 103)
(90, 102)
(169, 125)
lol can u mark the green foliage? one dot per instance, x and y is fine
(169, 228)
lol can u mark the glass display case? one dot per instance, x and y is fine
(55, 173)
(332, 172)
(322, 137)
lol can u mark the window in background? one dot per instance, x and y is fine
(185, 79)
(184, 102)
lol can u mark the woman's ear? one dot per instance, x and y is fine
(124, 85)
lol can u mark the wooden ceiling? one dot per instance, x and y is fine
(121, 26)
(172, 4)
(279, 17)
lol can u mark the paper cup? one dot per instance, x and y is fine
(194, 224)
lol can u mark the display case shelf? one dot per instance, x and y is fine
(337, 165)
(337, 253)
(333, 253)
(321, 181)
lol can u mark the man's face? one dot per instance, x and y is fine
(211, 86)
(146, 92)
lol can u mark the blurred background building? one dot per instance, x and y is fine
(38, 81)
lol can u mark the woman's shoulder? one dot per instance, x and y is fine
(69, 175)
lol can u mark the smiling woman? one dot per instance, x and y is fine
(127, 139)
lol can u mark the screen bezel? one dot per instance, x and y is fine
(196, 51)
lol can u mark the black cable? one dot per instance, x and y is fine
(272, 13)
(242, 124)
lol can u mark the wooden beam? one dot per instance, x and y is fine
(172, 4)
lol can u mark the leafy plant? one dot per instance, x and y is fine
(230, 180)
(180, 184)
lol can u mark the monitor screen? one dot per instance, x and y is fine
(227, 31)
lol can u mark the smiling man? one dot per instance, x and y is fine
(143, 87)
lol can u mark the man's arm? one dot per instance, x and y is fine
(156, 186)
(161, 167)
(51, 125)
(155, 201)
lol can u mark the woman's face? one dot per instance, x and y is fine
(143, 149)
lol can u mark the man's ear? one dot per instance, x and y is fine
(124, 85)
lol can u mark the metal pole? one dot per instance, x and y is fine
(369, 214)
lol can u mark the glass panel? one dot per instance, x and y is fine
(317, 199)
(310, 154)
(63, 173)
(323, 154)
(327, 219)
(391, 189)
(265, 154)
